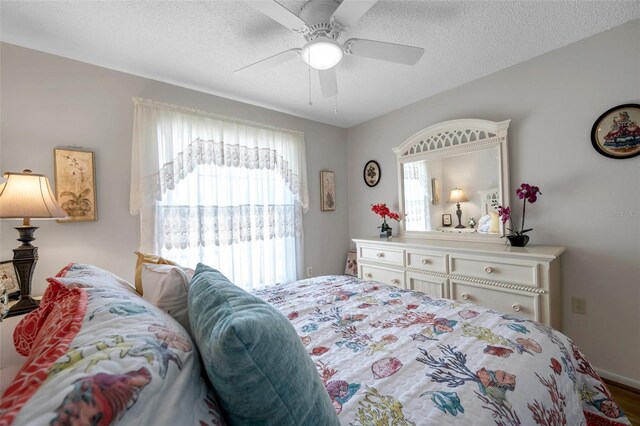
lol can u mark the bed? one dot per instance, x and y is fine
(100, 354)
(392, 356)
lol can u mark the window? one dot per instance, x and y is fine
(417, 196)
(224, 192)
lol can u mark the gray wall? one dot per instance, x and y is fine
(48, 101)
(552, 100)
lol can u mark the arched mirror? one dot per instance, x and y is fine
(451, 177)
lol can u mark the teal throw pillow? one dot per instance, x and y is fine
(259, 369)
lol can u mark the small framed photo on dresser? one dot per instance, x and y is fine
(446, 220)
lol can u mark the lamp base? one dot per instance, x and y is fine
(459, 214)
(25, 258)
(24, 306)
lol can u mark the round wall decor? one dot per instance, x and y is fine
(616, 133)
(371, 173)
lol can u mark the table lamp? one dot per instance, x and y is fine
(26, 196)
(457, 196)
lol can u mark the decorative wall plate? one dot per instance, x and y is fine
(616, 133)
(371, 173)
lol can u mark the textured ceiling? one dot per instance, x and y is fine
(198, 44)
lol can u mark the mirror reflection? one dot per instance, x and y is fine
(463, 186)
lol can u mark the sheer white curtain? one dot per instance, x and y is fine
(417, 196)
(229, 193)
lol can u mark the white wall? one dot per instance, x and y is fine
(48, 101)
(552, 100)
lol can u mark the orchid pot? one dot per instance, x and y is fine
(517, 237)
(518, 240)
(383, 211)
(385, 230)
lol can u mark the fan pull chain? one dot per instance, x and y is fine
(309, 68)
(335, 108)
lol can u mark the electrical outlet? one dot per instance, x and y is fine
(578, 306)
(309, 271)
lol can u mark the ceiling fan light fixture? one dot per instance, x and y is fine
(322, 53)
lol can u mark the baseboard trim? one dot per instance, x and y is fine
(635, 384)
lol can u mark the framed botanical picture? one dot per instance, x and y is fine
(616, 133)
(9, 279)
(327, 191)
(371, 173)
(75, 175)
(446, 220)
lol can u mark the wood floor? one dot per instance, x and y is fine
(629, 400)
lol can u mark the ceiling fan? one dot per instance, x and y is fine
(321, 22)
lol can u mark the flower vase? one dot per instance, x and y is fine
(385, 230)
(518, 240)
(386, 233)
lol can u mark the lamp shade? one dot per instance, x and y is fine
(28, 195)
(457, 196)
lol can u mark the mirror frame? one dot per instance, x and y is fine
(455, 137)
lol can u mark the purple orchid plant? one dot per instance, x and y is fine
(526, 193)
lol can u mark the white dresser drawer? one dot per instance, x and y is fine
(427, 261)
(499, 299)
(433, 286)
(383, 255)
(383, 275)
(495, 269)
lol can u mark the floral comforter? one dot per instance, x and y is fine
(396, 357)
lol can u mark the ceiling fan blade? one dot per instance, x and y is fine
(271, 61)
(350, 11)
(280, 14)
(391, 52)
(328, 82)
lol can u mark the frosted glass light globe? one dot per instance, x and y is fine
(322, 53)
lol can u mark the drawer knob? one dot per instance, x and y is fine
(368, 275)
(379, 255)
(395, 281)
(488, 269)
(465, 296)
(425, 261)
(516, 307)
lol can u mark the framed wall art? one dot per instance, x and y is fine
(75, 176)
(327, 191)
(446, 219)
(616, 133)
(371, 173)
(9, 279)
(351, 268)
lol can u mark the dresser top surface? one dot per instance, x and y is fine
(531, 250)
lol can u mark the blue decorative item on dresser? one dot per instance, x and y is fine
(253, 356)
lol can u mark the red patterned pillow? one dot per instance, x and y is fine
(29, 327)
(48, 338)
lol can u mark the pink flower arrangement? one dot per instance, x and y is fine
(526, 193)
(383, 211)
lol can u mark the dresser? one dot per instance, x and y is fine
(524, 281)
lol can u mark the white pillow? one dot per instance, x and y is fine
(484, 224)
(167, 287)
